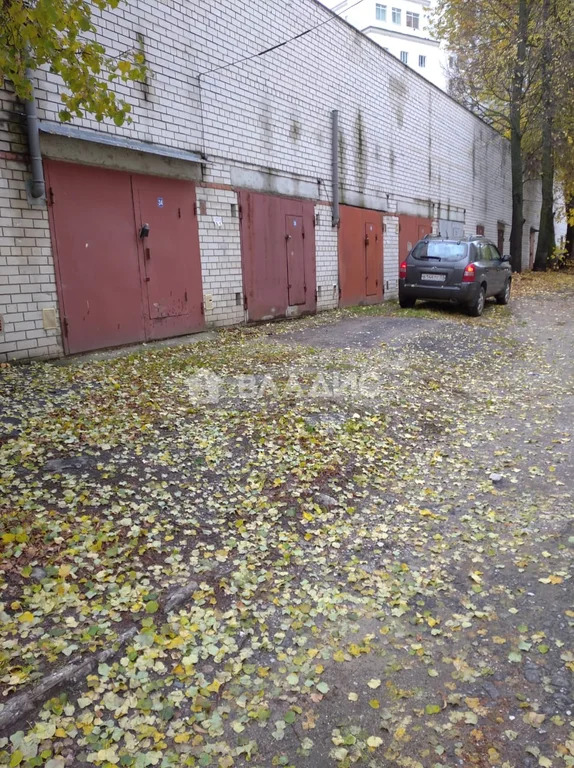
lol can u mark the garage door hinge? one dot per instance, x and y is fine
(240, 213)
(245, 302)
(51, 196)
(303, 234)
(339, 293)
(202, 308)
(65, 326)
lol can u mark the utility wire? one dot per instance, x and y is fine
(279, 45)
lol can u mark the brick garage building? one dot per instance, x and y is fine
(226, 122)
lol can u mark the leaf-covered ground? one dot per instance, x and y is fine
(374, 515)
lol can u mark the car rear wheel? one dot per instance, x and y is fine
(504, 296)
(406, 302)
(476, 306)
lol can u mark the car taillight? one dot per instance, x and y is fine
(469, 274)
(403, 270)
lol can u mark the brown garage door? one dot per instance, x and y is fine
(411, 230)
(278, 255)
(360, 256)
(115, 286)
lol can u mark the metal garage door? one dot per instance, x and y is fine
(360, 256)
(411, 230)
(173, 293)
(116, 287)
(278, 255)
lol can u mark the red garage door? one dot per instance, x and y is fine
(360, 256)
(411, 230)
(173, 292)
(278, 255)
(115, 286)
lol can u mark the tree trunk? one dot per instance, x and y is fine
(569, 244)
(517, 189)
(516, 97)
(546, 238)
(546, 243)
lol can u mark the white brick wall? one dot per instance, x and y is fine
(391, 246)
(403, 140)
(27, 281)
(220, 245)
(265, 124)
(327, 259)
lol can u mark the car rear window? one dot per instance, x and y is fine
(433, 249)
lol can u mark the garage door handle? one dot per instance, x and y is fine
(148, 253)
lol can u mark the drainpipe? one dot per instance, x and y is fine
(38, 186)
(335, 164)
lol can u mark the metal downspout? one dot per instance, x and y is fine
(38, 185)
(335, 164)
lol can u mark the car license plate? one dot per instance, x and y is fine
(431, 277)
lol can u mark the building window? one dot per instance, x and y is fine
(404, 57)
(413, 20)
(480, 229)
(396, 15)
(381, 12)
(422, 61)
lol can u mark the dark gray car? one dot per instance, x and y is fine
(466, 271)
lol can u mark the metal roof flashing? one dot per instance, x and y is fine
(121, 142)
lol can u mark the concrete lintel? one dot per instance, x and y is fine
(118, 158)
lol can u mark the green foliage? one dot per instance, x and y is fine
(558, 258)
(564, 122)
(61, 35)
(483, 39)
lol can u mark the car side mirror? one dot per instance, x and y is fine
(505, 258)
